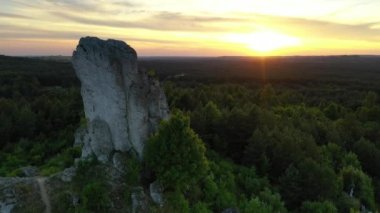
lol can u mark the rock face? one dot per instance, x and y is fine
(122, 104)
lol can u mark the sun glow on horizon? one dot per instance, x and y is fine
(264, 41)
(194, 27)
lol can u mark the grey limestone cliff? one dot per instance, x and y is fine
(122, 104)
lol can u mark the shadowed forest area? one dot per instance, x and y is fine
(279, 134)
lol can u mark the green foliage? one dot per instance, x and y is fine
(152, 73)
(200, 208)
(273, 200)
(134, 167)
(37, 124)
(63, 202)
(309, 181)
(318, 207)
(176, 202)
(249, 182)
(256, 205)
(86, 171)
(300, 140)
(15, 173)
(370, 99)
(333, 111)
(351, 159)
(358, 185)
(61, 161)
(176, 154)
(90, 183)
(222, 186)
(346, 203)
(225, 199)
(369, 156)
(267, 96)
(210, 189)
(94, 197)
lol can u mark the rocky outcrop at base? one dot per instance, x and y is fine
(122, 104)
(18, 194)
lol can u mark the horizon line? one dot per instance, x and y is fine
(221, 56)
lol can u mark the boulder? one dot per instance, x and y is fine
(67, 175)
(8, 200)
(29, 171)
(156, 190)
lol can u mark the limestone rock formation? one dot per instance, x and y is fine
(122, 104)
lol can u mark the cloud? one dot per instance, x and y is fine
(22, 32)
(176, 16)
(10, 15)
(316, 28)
(125, 4)
(64, 20)
(38, 35)
(350, 7)
(9, 32)
(82, 6)
(162, 21)
(90, 6)
(176, 21)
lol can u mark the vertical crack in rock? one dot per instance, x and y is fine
(122, 104)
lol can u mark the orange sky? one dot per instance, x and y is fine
(194, 27)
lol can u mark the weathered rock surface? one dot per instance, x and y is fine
(122, 104)
(29, 171)
(156, 191)
(139, 200)
(66, 175)
(19, 194)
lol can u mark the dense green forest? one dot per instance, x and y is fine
(40, 109)
(257, 145)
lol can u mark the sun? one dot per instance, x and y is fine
(270, 41)
(264, 41)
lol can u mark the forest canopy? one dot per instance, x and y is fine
(273, 146)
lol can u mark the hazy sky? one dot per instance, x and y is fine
(193, 27)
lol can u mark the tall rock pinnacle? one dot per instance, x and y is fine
(122, 104)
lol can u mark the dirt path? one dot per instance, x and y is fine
(44, 194)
